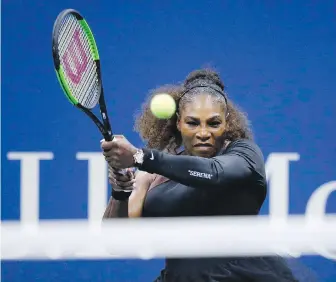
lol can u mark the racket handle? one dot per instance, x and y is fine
(109, 137)
(125, 170)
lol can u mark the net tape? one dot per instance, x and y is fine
(178, 237)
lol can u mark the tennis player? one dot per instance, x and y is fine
(201, 162)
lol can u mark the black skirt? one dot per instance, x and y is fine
(255, 269)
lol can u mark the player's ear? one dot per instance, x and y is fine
(178, 122)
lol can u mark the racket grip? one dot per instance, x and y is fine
(109, 137)
(121, 171)
(125, 170)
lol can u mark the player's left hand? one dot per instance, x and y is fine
(119, 152)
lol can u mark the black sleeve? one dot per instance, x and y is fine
(241, 161)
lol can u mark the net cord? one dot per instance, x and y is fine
(158, 238)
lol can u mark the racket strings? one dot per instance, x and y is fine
(79, 61)
(69, 27)
(87, 97)
(91, 94)
(91, 84)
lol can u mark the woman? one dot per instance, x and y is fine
(201, 162)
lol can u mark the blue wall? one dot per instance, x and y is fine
(277, 60)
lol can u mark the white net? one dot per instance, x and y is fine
(147, 238)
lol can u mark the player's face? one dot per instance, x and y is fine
(202, 126)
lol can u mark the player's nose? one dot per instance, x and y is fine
(203, 135)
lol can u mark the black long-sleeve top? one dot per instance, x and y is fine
(231, 183)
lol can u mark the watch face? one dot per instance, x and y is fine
(139, 157)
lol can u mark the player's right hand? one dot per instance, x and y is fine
(121, 181)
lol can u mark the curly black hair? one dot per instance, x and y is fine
(162, 134)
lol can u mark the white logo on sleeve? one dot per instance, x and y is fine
(200, 174)
(152, 156)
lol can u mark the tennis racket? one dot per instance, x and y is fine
(77, 65)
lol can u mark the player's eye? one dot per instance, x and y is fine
(214, 123)
(192, 123)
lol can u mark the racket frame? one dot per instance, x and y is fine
(104, 126)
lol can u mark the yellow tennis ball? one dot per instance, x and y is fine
(163, 106)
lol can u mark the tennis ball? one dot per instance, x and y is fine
(163, 106)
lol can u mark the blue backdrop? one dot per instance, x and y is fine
(277, 59)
